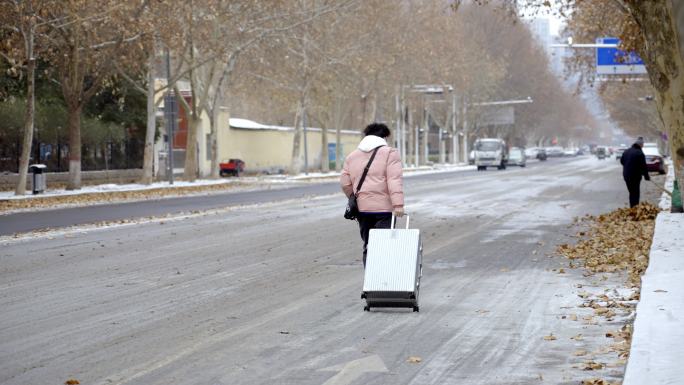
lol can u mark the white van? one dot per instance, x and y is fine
(491, 152)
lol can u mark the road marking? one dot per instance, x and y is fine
(352, 370)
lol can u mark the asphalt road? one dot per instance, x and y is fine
(38, 220)
(271, 295)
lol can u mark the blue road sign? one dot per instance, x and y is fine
(612, 61)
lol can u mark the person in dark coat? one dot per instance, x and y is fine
(633, 167)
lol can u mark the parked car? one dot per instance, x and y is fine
(554, 152)
(231, 167)
(541, 154)
(531, 152)
(619, 151)
(570, 152)
(654, 161)
(516, 157)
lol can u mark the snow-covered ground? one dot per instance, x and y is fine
(111, 187)
(658, 340)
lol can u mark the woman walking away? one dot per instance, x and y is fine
(382, 191)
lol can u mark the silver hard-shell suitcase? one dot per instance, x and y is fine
(394, 265)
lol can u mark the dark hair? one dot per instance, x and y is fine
(377, 129)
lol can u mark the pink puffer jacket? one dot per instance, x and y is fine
(383, 189)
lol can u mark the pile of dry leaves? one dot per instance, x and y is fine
(617, 241)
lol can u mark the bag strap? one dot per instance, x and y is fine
(365, 170)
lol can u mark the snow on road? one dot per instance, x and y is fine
(270, 294)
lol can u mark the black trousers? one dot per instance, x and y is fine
(368, 221)
(633, 186)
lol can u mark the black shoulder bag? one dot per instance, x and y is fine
(352, 211)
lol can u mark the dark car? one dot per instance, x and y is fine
(232, 167)
(541, 154)
(654, 161)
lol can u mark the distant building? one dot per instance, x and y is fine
(542, 31)
(540, 28)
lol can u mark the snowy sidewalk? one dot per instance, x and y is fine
(128, 187)
(658, 341)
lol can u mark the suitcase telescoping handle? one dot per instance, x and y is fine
(394, 219)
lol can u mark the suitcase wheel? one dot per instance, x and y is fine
(363, 295)
(366, 308)
(416, 309)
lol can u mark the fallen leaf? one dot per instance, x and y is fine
(71, 381)
(414, 360)
(577, 337)
(550, 337)
(592, 365)
(598, 381)
(580, 353)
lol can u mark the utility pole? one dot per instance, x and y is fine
(416, 146)
(454, 135)
(170, 115)
(465, 130)
(426, 133)
(426, 130)
(397, 129)
(404, 122)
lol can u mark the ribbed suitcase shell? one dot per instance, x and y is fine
(393, 268)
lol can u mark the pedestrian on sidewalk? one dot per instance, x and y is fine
(382, 192)
(633, 168)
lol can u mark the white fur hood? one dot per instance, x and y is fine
(370, 142)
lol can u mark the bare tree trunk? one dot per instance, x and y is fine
(673, 119)
(296, 163)
(213, 137)
(373, 109)
(325, 164)
(190, 171)
(411, 139)
(74, 116)
(672, 109)
(148, 156)
(338, 148)
(28, 119)
(105, 148)
(663, 58)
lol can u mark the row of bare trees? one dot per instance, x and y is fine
(345, 69)
(337, 63)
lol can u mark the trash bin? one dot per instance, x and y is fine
(38, 181)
